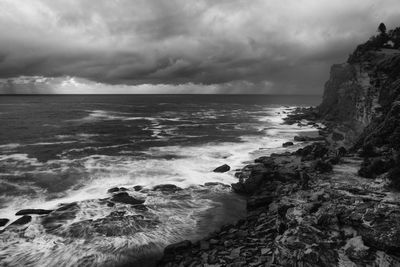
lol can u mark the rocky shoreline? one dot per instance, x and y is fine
(305, 208)
(334, 202)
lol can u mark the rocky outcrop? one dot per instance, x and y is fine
(300, 216)
(305, 211)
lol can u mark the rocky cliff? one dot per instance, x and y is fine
(363, 93)
(329, 203)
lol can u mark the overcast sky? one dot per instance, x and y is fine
(167, 46)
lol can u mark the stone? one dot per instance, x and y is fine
(3, 221)
(140, 207)
(167, 188)
(287, 144)
(222, 168)
(138, 187)
(117, 189)
(33, 211)
(125, 198)
(23, 220)
(113, 190)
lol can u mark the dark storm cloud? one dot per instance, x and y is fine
(283, 46)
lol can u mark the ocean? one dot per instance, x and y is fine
(69, 150)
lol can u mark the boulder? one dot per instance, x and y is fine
(23, 220)
(33, 211)
(113, 190)
(3, 221)
(167, 188)
(222, 168)
(116, 189)
(138, 187)
(286, 144)
(125, 198)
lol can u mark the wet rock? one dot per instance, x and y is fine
(138, 187)
(212, 184)
(167, 188)
(313, 151)
(116, 189)
(177, 247)
(140, 207)
(287, 144)
(3, 222)
(113, 190)
(301, 138)
(222, 168)
(125, 198)
(23, 220)
(33, 211)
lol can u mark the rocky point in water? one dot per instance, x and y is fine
(334, 202)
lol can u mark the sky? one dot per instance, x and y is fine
(181, 46)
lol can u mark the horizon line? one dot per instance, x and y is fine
(16, 94)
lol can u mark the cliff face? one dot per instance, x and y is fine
(362, 93)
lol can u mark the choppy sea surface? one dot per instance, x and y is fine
(58, 150)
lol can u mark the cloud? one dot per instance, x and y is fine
(288, 45)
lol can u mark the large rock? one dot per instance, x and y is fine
(3, 222)
(33, 211)
(167, 188)
(124, 197)
(222, 168)
(21, 221)
(287, 144)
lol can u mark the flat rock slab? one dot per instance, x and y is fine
(23, 220)
(33, 211)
